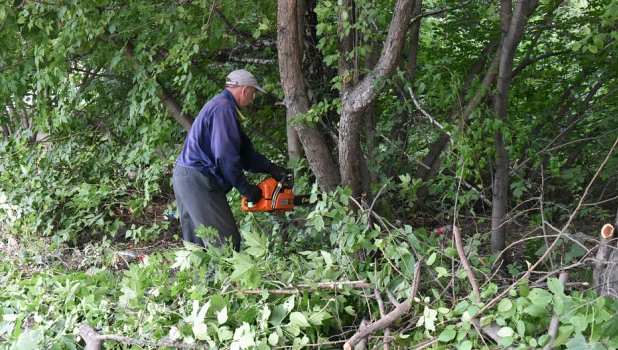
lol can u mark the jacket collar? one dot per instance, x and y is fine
(229, 95)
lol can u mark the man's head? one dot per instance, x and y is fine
(242, 85)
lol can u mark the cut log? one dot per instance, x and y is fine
(605, 273)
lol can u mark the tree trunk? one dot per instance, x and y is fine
(356, 99)
(500, 195)
(296, 100)
(295, 148)
(513, 30)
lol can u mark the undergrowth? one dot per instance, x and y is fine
(82, 245)
(306, 284)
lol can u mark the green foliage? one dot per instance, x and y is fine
(87, 148)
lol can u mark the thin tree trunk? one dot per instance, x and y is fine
(295, 148)
(356, 99)
(296, 100)
(513, 30)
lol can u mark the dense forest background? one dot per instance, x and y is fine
(463, 154)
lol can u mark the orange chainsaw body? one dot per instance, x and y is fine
(276, 196)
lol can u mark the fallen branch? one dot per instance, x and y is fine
(295, 289)
(94, 340)
(390, 317)
(465, 263)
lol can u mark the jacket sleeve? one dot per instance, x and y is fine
(226, 143)
(252, 160)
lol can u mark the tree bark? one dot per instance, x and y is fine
(355, 100)
(296, 99)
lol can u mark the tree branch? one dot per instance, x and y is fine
(390, 317)
(94, 340)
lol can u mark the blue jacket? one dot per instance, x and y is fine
(217, 146)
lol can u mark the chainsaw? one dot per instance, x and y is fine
(277, 196)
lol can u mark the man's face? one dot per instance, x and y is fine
(246, 96)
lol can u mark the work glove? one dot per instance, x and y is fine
(279, 173)
(254, 195)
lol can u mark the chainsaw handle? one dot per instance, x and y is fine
(288, 180)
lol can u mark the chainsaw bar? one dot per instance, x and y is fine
(302, 200)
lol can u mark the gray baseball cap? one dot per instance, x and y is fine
(242, 77)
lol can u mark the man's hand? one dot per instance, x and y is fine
(254, 195)
(279, 173)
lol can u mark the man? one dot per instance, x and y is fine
(213, 157)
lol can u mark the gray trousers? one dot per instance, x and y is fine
(201, 201)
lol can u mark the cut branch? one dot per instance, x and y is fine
(605, 273)
(464, 262)
(391, 317)
(95, 340)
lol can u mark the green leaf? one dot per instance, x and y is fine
(447, 335)
(29, 339)
(288, 304)
(505, 305)
(450, 252)
(244, 337)
(244, 270)
(273, 339)
(256, 244)
(319, 317)
(521, 328)
(465, 345)
(298, 319)
(554, 285)
(441, 271)
(222, 316)
(429, 317)
(540, 297)
(431, 259)
(277, 315)
(535, 311)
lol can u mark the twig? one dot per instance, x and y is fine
(387, 330)
(552, 331)
(428, 344)
(427, 115)
(392, 298)
(579, 264)
(324, 285)
(390, 317)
